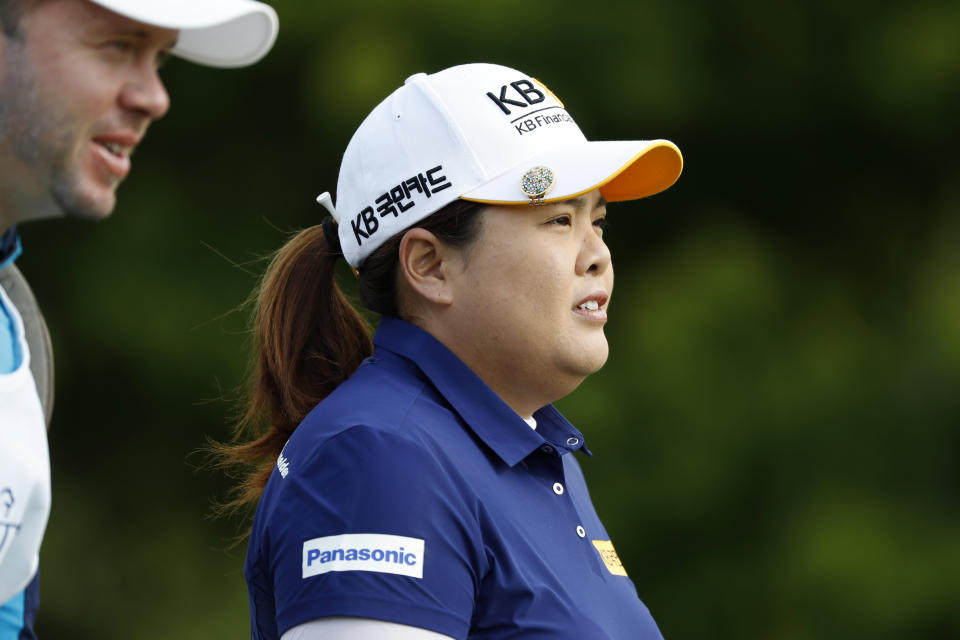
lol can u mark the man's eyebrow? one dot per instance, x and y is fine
(132, 32)
(141, 34)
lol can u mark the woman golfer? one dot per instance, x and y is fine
(424, 486)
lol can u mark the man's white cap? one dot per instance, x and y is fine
(218, 33)
(485, 133)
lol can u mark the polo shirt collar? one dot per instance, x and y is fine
(9, 246)
(485, 413)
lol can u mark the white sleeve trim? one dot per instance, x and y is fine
(342, 628)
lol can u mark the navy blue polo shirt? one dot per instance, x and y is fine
(413, 494)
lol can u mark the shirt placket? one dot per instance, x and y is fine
(553, 476)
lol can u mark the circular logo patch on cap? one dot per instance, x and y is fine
(536, 182)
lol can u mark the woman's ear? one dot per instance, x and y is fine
(424, 263)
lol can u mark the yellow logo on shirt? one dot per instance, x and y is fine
(610, 558)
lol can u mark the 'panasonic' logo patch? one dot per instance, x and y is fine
(364, 552)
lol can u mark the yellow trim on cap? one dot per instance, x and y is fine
(547, 89)
(646, 178)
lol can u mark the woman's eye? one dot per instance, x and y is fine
(601, 223)
(562, 220)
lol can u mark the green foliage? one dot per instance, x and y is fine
(776, 432)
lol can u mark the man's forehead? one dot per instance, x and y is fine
(91, 16)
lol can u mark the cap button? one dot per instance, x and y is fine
(536, 182)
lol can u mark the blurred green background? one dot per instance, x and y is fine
(776, 433)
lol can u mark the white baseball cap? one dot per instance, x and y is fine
(217, 33)
(479, 132)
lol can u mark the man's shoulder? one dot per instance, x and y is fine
(38, 336)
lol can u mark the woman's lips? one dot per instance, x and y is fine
(593, 307)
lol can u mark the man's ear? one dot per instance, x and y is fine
(424, 263)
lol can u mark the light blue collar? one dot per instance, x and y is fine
(10, 248)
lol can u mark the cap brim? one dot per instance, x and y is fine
(622, 170)
(218, 33)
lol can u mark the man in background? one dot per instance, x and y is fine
(79, 86)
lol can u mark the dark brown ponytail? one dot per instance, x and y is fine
(308, 338)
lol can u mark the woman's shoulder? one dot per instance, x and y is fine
(394, 430)
(378, 399)
(405, 450)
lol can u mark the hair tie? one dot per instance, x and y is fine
(331, 235)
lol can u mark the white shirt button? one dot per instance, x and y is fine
(558, 488)
(573, 441)
(546, 448)
(581, 531)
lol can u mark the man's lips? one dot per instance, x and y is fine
(114, 150)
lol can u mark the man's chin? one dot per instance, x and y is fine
(74, 203)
